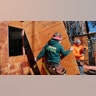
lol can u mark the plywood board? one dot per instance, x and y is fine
(43, 31)
(3, 43)
(38, 33)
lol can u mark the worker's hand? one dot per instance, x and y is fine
(82, 54)
(71, 48)
(35, 59)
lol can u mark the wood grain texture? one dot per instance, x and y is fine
(38, 33)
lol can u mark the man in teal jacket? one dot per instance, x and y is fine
(52, 51)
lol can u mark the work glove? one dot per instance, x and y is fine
(35, 59)
(71, 48)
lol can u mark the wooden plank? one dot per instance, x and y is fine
(14, 61)
(17, 24)
(43, 32)
(29, 32)
(38, 33)
(3, 43)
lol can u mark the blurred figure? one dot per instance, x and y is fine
(79, 50)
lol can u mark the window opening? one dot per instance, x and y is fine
(15, 41)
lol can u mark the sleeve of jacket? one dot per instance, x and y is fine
(41, 54)
(64, 52)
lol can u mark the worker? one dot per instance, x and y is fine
(52, 50)
(79, 51)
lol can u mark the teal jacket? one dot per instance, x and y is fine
(52, 51)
